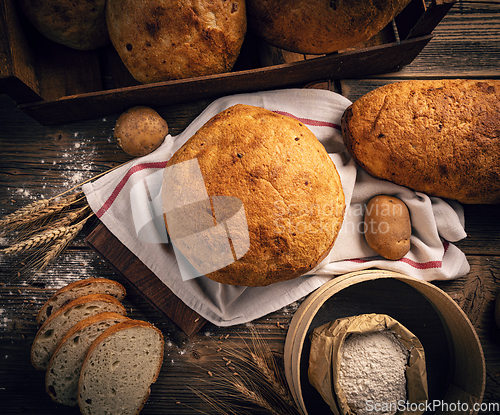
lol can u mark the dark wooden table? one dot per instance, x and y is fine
(41, 162)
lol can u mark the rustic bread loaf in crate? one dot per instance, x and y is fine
(79, 25)
(320, 26)
(161, 40)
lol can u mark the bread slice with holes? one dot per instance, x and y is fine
(58, 324)
(63, 371)
(120, 366)
(77, 289)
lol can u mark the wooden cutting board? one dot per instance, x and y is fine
(143, 280)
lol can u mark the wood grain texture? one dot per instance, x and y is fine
(42, 161)
(142, 280)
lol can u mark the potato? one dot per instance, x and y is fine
(140, 130)
(388, 226)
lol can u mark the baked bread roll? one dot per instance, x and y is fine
(269, 186)
(440, 137)
(320, 26)
(77, 24)
(78, 289)
(119, 368)
(160, 40)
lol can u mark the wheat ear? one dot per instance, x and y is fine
(61, 243)
(22, 213)
(42, 238)
(254, 397)
(259, 361)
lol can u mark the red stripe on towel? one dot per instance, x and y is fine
(308, 121)
(137, 168)
(414, 264)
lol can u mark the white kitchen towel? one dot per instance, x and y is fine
(127, 200)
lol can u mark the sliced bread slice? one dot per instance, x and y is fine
(56, 326)
(63, 371)
(77, 289)
(120, 366)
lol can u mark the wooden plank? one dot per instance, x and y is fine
(18, 76)
(63, 71)
(417, 20)
(350, 64)
(143, 280)
(464, 45)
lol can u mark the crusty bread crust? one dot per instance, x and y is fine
(85, 405)
(440, 137)
(56, 326)
(288, 186)
(79, 25)
(320, 26)
(79, 289)
(61, 379)
(160, 40)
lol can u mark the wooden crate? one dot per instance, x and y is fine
(54, 84)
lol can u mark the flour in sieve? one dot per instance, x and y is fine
(372, 369)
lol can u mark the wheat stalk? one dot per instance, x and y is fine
(255, 398)
(24, 212)
(36, 240)
(251, 375)
(259, 361)
(39, 211)
(60, 243)
(47, 225)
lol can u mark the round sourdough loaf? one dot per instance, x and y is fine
(77, 24)
(272, 168)
(161, 40)
(320, 26)
(440, 137)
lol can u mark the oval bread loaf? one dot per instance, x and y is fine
(440, 137)
(63, 371)
(77, 289)
(265, 178)
(57, 325)
(320, 26)
(119, 368)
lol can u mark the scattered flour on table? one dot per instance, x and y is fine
(82, 156)
(372, 368)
